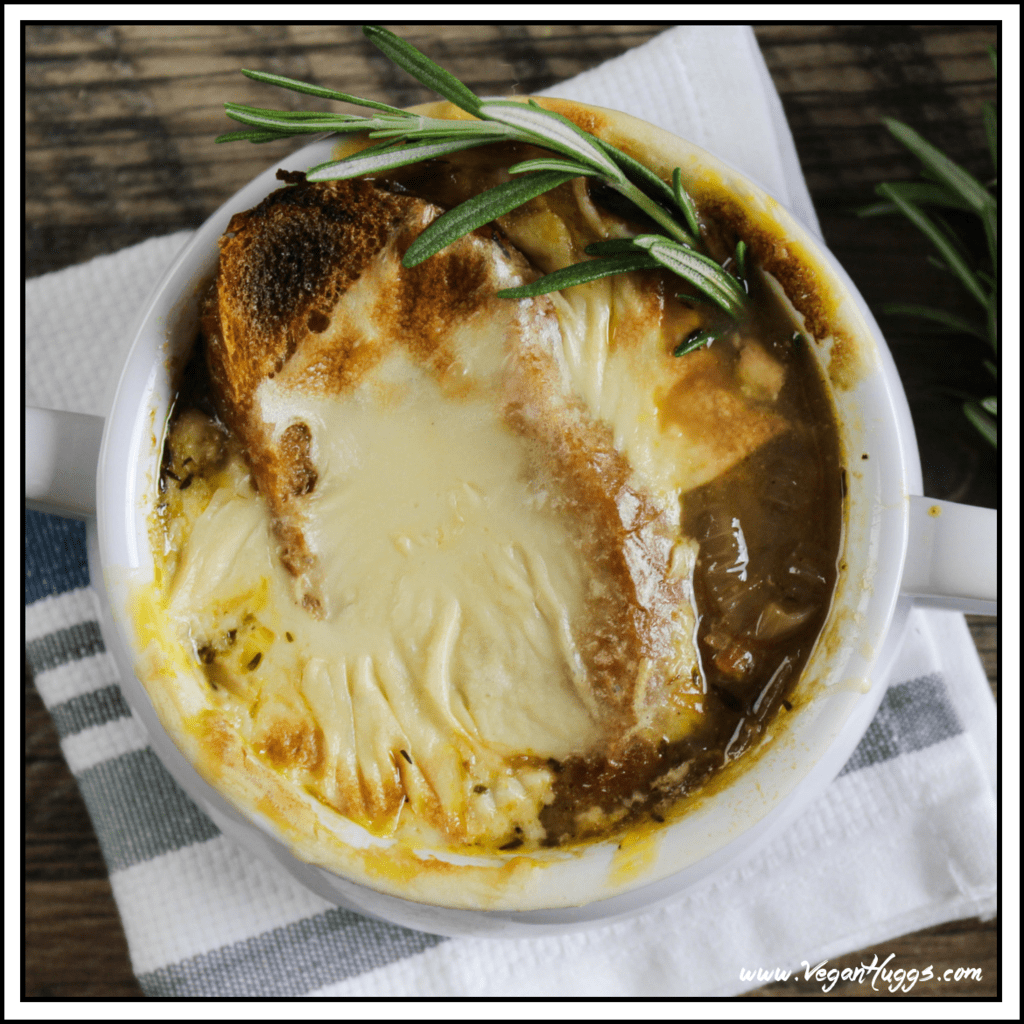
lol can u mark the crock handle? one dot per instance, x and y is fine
(62, 452)
(952, 558)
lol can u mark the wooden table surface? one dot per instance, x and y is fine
(120, 122)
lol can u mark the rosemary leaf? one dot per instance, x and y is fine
(879, 209)
(985, 425)
(955, 177)
(684, 201)
(480, 210)
(550, 164)
(574, 129)
(437, 128)
(293, 115)
(422, 68)
(385, 157)
(291, 125)
(253, 136)
(940, 316)
(920, 192)
(701, 271)
(988, 111)
(698, 339)
(552, 131)
(581, 273)
(317, 90)
(741, 261)
(990, 221)
(611, 247)
(948, 251)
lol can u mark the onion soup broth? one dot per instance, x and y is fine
(737, 466)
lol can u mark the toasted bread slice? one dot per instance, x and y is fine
(310, 295)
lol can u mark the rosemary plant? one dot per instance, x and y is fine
(405, 138)
(948, 186)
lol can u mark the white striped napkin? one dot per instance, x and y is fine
(903, 839)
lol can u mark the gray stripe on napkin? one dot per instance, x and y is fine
(64, 645)
(139, 810)
(292, 960)
(912, 716)
(90, 709)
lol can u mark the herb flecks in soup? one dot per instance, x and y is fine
(489, 573)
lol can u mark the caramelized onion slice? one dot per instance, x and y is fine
(779, 619)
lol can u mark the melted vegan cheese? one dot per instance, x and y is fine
(500, 578)
(678, 422)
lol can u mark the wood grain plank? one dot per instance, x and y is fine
(74, 942)
(985, 634)
(837, 87)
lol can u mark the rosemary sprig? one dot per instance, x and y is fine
(403, 138)
(949, 186)
(699, 338)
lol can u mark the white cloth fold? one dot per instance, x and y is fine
(708, 84)
(903, 839)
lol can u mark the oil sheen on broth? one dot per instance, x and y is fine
(521, 581)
